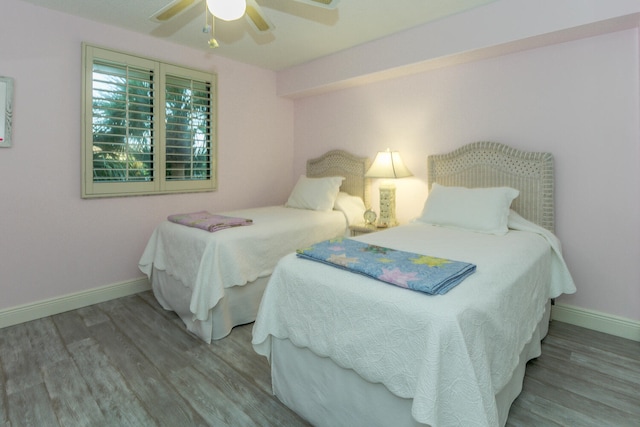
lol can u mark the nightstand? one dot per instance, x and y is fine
(358, 229)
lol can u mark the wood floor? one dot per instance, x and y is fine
(127, 362)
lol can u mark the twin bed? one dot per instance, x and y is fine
(346, 349)
(214, 281)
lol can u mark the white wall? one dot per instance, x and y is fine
(579, 100)
(52, 242)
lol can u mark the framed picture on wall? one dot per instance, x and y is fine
(6, 110)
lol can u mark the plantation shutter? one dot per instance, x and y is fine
(148, 127)
(188, 129)
(189, 117)
(123, 117)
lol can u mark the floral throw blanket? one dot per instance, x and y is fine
(208, 221)
(422, 273)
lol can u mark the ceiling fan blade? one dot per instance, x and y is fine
(257, 18)
(326, 4)
(173, 9)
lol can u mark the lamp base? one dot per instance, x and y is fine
(387, 216)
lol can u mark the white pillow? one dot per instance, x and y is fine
(318, 194)
(485, 210)
(352, 207)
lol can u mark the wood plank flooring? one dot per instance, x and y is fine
(128, 362)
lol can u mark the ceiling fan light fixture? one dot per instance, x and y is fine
(227, 10)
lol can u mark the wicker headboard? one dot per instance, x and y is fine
(341, 163)
(491, 164)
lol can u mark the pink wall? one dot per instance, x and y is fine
(497, 28)
(54, 243)
(578, 100)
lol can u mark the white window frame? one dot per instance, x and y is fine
(159, 183)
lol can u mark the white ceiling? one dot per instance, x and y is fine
(302, 32)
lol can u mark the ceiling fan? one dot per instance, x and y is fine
(218, 8)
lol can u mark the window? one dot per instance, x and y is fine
(148, 127)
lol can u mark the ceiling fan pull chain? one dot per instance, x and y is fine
(207, 28)
(213, 43)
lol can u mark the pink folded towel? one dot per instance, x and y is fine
(208, 221)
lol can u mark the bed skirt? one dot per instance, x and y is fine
(239, 306)
(326, 394)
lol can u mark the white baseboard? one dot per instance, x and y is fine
(589, 319)
(601, 322)
(39, 309)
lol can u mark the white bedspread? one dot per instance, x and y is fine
(210, 262)
(450, 353)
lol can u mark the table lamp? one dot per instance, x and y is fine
(388, 165)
